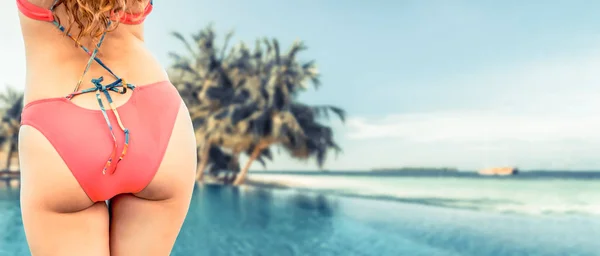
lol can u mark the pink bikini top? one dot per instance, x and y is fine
(38, 13)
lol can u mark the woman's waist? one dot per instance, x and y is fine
(110, 97)
(60, 81)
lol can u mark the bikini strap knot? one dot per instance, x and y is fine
(98, 83)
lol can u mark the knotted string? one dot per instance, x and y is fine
(119, 85)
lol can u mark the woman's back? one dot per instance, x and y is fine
(55, 63)
(100, 123)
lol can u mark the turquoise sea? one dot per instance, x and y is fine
(343, 215)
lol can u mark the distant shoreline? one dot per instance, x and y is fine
(533, 174)
(415, 169)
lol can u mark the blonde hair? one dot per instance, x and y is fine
(94, 17)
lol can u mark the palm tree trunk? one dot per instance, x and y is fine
(241, 177)
(202, 163)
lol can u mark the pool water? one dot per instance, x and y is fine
(262, 221)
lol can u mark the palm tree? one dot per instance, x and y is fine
(244, 101)
(11, 106)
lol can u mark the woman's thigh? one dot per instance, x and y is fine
(58, 217)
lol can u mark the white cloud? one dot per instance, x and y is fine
(477, 127)
(548, 100)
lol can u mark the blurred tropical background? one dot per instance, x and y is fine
(379, 128)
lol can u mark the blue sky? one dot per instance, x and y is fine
(467, 84)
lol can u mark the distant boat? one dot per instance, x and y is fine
(499, 171)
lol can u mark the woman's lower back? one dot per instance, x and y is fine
(67, 151)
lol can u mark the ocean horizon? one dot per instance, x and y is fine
(443, 172)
